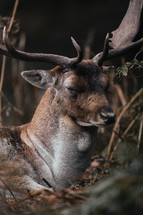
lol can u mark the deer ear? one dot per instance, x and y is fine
(40, 78)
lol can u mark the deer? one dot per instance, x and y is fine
(54, 149)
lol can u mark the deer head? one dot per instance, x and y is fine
(80, 92)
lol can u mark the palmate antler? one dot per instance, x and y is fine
(116, 43)
(120, 41)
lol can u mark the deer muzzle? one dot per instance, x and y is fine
(107, 115)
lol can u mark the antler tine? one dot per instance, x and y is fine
(104, 54)
(62, 61)
(79, 57)
(121, 40)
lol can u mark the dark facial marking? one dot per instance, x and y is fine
(91, 73)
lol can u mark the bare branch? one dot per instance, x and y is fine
(139, 93)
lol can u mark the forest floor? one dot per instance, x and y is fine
(99, 192)
(66, 198)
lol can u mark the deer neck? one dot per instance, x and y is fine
(65, 147)
(49, 118)
(44, 123)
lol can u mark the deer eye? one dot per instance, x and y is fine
(72, 90)
(75, 89)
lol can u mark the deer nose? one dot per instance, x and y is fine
(107, 115)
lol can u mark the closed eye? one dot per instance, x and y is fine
(75, 89)
(71, 89)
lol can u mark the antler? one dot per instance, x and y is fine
(104, 54)
(121, 40)
(62, 61)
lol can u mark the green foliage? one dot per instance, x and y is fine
(134, 64)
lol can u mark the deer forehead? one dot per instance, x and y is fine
(72, 79)
(86, 77)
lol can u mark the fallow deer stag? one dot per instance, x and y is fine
(55, 148)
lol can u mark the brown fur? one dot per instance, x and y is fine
(54, 146)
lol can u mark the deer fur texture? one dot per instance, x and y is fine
(58, 143)
(55, 148)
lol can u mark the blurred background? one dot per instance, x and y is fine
(48, 24)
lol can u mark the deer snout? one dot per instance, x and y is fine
(107, 115)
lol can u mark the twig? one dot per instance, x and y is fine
(125, 132)
(11, 105)
(120, 94)
(4, 57)
(1, 85)
(120, 137)
(119, 118)
(17, 83)
(138, 53)
(131, 124)
(140, 133)
(13, 15)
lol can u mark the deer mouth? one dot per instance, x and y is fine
(102, 122)
(84, 124)
(91, 124)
